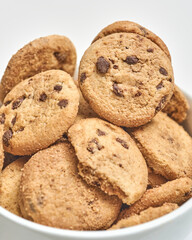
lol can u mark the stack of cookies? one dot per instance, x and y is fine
(107, 152)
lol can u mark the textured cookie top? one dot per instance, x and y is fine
(52, 193)
(9, 185)
(42, 54)
(109, 158)
(131, 27)
(166, 146)
(126, 78)
(38, 111)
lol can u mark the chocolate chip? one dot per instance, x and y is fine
(100, 133)
(63, 103)
(118, 91)
(94, 145)
(2, 118)
(122, 142)
(83, 77)
(131, 60)
(17, 103)
(43, 97)
(102, 65)
(90, 149)
(7, 103)
(13, 121)
(115, 67)
(58, 88)
(111, 60)
(7, 136)
(163, 71)
(159, 86)
(170, 80)
(160, 105)
(143, 30)
(120, 165)
(150, 50)
(138, 94)
(126, 48)
(61, 57)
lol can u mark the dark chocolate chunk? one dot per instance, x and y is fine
(43, 97)
(7, 103)
(150, 50)
(122, 142)
(58, 88)
(13, 121)
(111, 60)
(163, 71)
(17, 103)
(7, 136)
(94, 145)
(170, 80)
(160, 105)
(61, 57)
(118, 91)
(100, 133)
(115, 67)
(2, 118)
(138, 94)
(102, 65)
(159, 86)
(63, 103)
(131, 60)
(83, 77)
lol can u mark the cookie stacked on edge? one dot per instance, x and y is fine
(83, 170)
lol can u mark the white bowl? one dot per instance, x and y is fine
(176, 225)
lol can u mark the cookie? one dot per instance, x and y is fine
(178, 106)
(9, 185)
(42, 54)
(177, 191)
(109, 158)
(38, 111)
(1, 143)
(165, 146)
(145, 216)
(155, 180)
(123, 81)
(132, 27)
(52, 193)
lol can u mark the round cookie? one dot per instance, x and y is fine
(178, 106)
(177, 191)
(165, 146)
(132, 27)
(126, 79)
(9, 186)
(1, 143)
(42, 54)
(38, 111)
(52, 193)
(145, 216)
(109, 158)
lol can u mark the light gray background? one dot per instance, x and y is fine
(22, 21)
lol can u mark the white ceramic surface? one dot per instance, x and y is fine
(22, 21)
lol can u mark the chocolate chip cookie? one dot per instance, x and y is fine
(166, 147)
(108, 158)
(42, 54)
(52, 193)
(132, 27)
(127, 79)
(38, 111)
(1, 142)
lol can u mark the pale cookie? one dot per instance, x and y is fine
(1, 143)
(166, 147)
(132, 27)
(109, 158)
(178, 106)
(53, 194)
(154, 179)
(9, 185)
(38, 111)
(126, 80)
(145, 216)
(42, 54)
(177, 191)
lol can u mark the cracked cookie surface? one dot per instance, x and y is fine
(109, 159)
(126, 78)
(52, 193)
(38, 111)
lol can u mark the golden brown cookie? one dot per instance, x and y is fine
(165, 146)
(38, 111)
(123, 81)
(145, 216)
(9, 185)
(42, 54)
(131, 27)
(155, 180)
(177, 191)
(178, 106)
(109, 158)
(52, 193)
